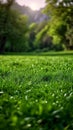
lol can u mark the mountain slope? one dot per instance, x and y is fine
(33, 16)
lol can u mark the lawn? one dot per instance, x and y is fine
(36, 92)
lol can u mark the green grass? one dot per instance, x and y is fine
(36, 92)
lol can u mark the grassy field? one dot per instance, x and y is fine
(36, 92)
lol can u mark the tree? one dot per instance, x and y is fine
(61, 25)
(17, 28)
(13, 27)
(4, 15)
(43, 39)
(31, 35)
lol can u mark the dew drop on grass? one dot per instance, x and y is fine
(71, 94)
(30, 82)
(39, 121)
(56, 97)
(46, 85)
(44, 102)
(65, 95)
(56, 112)
(28, 91)
(32, 65)
(54, 103)
(41, 129)
(11, 97)
(28, 125)
(36, 100)
(57, 102)
(0, 107)
(27, 119)
(1, 92)
(53, 95)
(26, 98)
(61, 108)
(61, 90)
(16, 92)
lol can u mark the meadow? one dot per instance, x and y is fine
(36, 92)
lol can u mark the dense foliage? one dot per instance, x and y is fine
(13, 27)
(4, 15)
(18, 35)
(36, 92)
(61, 25)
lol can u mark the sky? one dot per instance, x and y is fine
(33, 4)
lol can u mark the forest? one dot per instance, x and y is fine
(18, 35)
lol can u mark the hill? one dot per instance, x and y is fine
(33, 16)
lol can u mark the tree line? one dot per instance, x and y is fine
(17, 35)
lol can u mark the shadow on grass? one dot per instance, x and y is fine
(61, 53)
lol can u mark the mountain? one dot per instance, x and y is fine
(33, 16)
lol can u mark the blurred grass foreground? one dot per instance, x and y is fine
(36, 92)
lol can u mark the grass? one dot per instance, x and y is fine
(50, 53)
(36, 92)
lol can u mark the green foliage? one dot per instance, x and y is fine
(32, 26)
(17, 27)
(4, 17)
(16, 35)
(36, 92)
(57, 30)
(61, 13)
(43, 40)
(13, 27)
